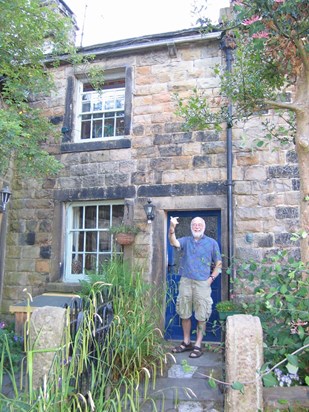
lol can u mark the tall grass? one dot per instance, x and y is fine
(114, 375)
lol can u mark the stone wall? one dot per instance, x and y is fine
(178, 170)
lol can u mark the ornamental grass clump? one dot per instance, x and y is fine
(107, 374)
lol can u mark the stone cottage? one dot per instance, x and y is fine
(124, 145)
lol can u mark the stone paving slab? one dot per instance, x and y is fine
(184, 388)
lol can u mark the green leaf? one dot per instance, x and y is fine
(283, 401)
(270, 380)
(293, 360)
(292, 369)
(307, 380)
(212, 383)
(238, 386)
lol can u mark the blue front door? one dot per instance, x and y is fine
(173, 329)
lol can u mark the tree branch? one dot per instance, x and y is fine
(273, 104)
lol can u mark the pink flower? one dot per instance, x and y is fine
(260, 35)
(279, 1)
(252, 20)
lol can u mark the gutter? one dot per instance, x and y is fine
(146, 43)
(143, 43)
(225, 46)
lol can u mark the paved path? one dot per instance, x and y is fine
(184, 388)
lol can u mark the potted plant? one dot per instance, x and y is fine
(227, 308)
(124, 234)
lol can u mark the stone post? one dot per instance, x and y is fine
(47, 325)
(244, 357)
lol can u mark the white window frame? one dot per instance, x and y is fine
(69, 239)
(97, 96)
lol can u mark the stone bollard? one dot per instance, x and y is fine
(47, 325)
(243, 358)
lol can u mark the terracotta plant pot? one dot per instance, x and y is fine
(125, 238)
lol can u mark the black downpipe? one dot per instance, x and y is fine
(227, 48)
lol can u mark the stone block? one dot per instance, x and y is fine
(47, 327)
(256, 213)
(283, 171)
(265, 241)
(244, 357)
(174, 177)
(295, 184)
(255, 173)
(286, 212)
(42, 266)
(247, 159)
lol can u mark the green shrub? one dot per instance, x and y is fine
(280, 287)
(229, 306)
(11, 347)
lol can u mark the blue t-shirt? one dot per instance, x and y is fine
(198, 256)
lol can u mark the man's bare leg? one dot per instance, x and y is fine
(186, 327)
(201, 327)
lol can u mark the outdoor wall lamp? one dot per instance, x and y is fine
(150, 211)
(5, 197)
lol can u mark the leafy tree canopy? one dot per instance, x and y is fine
(269, 44)
(29, 30)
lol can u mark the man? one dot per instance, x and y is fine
(199, 253)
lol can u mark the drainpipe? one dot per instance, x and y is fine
(227, 47)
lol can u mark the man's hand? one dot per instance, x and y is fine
(174, 222)
(171, 232)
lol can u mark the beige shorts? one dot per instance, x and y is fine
(194, 295)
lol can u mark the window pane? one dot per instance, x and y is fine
(104, 242)
(109, 103)
(97, 106)
(98, 116)
(86, 127)
(120, 126)
(103, 260)
(80, 246)
(91, 241)
(90, 217)
(118, 211)
(90, 261)
(104, 216)
(86, 107)
(78, 217)
(77, 265)
(97, 129)
(109, 127)
(119, 103)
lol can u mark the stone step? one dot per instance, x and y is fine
(61, 287)
(184, 387)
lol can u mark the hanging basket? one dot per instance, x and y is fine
(125, 238)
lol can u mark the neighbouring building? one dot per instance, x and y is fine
(123, 145)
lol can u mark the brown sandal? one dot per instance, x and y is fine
(183, 347)
(196, 353)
